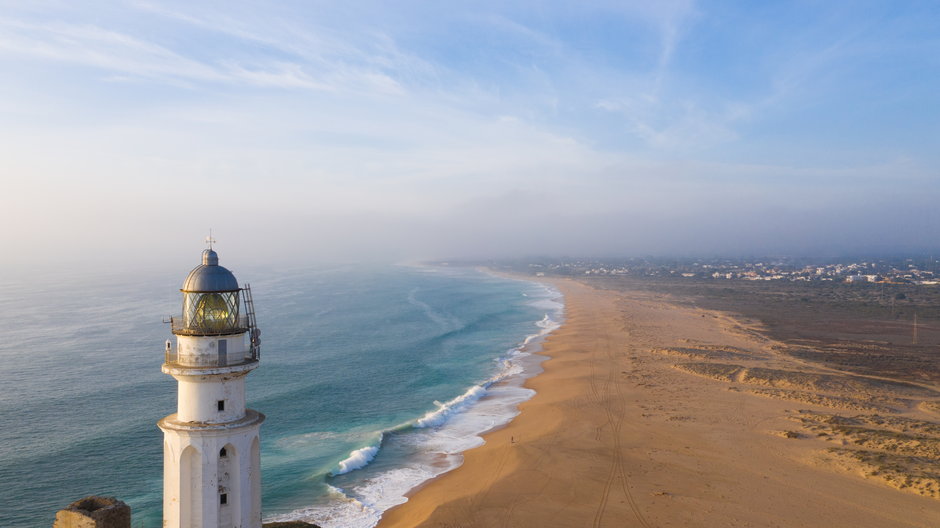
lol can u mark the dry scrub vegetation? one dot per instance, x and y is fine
(834, 402)
(705, 352)
(900, 451)
(715, 371)
(794, 379)
(930, 406)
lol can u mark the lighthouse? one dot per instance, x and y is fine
(211, 451)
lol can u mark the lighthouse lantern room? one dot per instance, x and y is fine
(211, 451)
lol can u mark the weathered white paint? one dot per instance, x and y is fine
(194, 474)
(203, 351)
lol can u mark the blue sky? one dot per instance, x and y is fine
(398, 130)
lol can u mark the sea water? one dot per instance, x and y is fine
(373, 380)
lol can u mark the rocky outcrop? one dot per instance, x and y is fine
(94, 512)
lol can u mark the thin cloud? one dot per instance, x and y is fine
(126, 57)
(417, 129)
(373, 63)
(93, 46)
(672, 22)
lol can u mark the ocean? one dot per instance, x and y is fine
(373, 378)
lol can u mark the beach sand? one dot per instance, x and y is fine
(649, 414)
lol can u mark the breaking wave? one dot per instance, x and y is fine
(358, 458)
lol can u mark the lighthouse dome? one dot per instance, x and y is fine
(209, 276)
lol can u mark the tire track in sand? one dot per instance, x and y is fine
(612, 400)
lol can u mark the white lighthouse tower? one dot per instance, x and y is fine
(211, 452)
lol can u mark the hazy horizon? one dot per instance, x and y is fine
(304, 132)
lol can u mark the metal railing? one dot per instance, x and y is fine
(171, 357)
(254, 333)
(178, 326)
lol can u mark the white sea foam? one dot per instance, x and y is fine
(547, 324)
(439, 415)
(363, 507)
(445, 321)
(341, 511)
(308, 440)
(358, 458)
(547, 304)
(388, 489)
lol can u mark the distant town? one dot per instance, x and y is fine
(923, 271)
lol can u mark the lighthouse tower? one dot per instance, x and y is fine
(211, 454)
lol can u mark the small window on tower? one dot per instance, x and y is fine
(221, 405)
(222, 452)
(223, 498)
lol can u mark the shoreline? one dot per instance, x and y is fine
(401, 515)
(617, 434)
(450, 427)
(534, 357)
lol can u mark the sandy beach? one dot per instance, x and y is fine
(649, 414)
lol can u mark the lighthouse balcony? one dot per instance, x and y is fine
(174, 360)
(252, 418)
(174, 367)
(188, 327)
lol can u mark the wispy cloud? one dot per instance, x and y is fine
(685, 127)
(673, 115)
(673, 19)
(305, 60)
(364, 60)
(101, 48)
(496, 119)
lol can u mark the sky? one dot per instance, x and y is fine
(309, 131)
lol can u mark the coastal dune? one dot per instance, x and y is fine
(619, 433)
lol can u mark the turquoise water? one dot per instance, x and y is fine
(372, 380)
